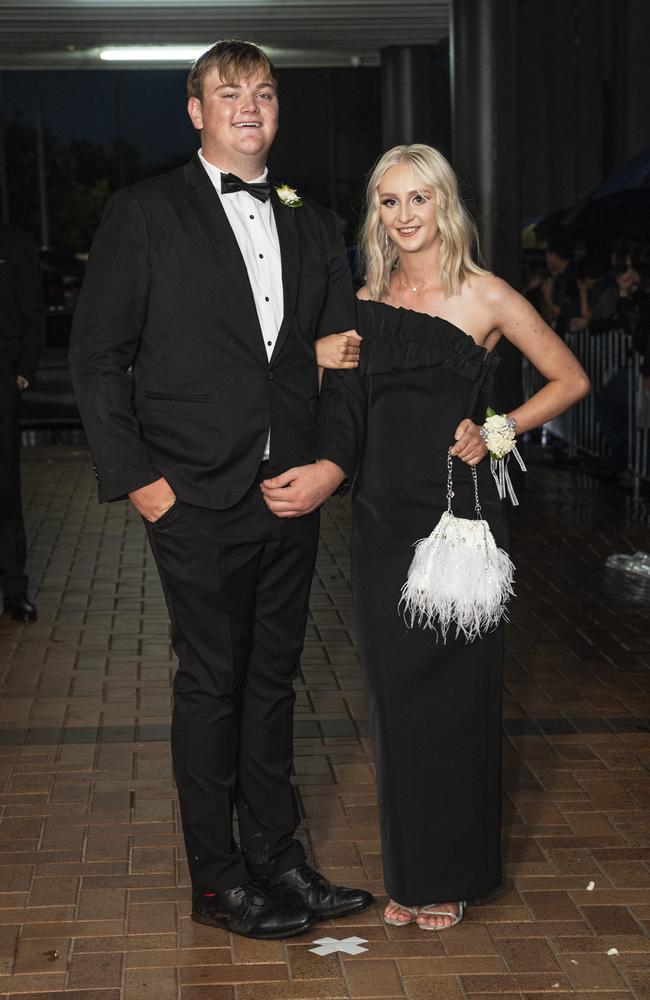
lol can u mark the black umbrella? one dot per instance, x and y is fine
(619, 207)
(547, 228)
(622, 213)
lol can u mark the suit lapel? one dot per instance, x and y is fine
(207, 205)
(289, 239)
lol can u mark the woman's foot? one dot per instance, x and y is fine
(399, 916)
(440, 916)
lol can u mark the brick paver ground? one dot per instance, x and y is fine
(94, 893)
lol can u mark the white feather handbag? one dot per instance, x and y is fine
(458, 575)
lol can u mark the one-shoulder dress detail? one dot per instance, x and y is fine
(434, 708)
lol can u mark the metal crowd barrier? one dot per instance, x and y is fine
(602, 355)
(641, 456)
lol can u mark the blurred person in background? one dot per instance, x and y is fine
(617, 305)
(642, 331)
(538, 289)
(22, 338)
(624, 309)
(591, 281)
(565, 297)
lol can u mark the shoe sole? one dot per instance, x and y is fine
(343, 912)
(224, 926)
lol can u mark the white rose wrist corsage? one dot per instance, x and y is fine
(498, 432)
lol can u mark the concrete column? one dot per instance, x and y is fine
(43, 200)
(415, 99)
(4, 183)
(484, 124)
(632, 79)
(574, 100)
(561, 103)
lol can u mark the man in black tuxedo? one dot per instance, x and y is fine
(22, 338)
(193, 360)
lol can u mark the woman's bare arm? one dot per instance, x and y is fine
(521, 324)
(567, 381)
(339, 350)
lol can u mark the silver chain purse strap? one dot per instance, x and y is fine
(450, 488)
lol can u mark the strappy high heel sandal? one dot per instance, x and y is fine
(393, 921)
(432, 911)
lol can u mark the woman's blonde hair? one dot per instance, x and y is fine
(457, 230)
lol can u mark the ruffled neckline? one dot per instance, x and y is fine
(395, 339)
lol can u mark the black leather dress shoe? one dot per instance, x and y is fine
(20, 608)
(253, 912)
(314, 891)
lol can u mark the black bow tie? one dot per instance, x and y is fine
(230, 183)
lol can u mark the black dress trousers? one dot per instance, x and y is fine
(13, 549)
(237, 587)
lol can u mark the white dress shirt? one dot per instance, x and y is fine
(253, 223)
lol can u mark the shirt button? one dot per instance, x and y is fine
(266, 298)
(251, 216)
(261, 255)
(269, 343)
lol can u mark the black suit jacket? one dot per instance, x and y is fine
(22, 309)
(167, 354)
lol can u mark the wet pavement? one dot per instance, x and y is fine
(94, 893)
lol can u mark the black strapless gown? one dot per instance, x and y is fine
(434, 708)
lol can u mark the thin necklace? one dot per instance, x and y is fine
(414, 288)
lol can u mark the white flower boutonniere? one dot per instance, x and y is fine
(498, 432)
(289, 196)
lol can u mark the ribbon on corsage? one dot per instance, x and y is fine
(498, 432)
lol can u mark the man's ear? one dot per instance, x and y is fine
(195, 111)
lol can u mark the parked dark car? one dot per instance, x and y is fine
(50, 401)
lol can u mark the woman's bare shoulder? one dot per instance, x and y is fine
(363, 293)
(490, 292)
(486, 286)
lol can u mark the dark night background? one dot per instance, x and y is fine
(107, 128)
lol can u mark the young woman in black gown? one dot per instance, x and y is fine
(430, 319)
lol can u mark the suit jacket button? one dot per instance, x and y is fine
(270, 376)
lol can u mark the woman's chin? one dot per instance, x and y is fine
(407, 246)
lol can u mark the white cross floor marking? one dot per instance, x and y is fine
(329, 945)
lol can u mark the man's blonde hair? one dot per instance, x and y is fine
(234, 61)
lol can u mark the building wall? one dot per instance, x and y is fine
(560, 102)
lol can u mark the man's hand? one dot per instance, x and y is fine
(152, 500)
(470, 446)
(301, 490)
(339, 350)
(21, 382)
